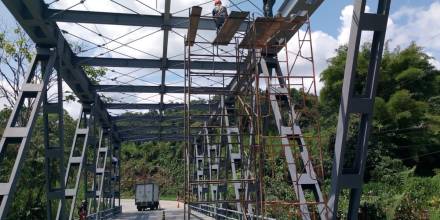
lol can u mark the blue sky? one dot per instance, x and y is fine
(325, 19)
(410, 20)
(327, 16)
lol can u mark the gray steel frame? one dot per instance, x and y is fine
(40, 23)
(232, 131)
(305, 177)
(352, 177)
(75, 165)
(19, 129)
(54, 153)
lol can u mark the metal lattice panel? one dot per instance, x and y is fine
(19, 128)
(351, 177)
(139, 84)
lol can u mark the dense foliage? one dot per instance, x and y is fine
(403, 177)
(404, 146)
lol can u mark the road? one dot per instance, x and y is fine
(173, 211)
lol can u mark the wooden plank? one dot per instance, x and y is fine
(230, 27)
(194, 20)
(266, 32)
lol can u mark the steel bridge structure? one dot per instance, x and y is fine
(242, 108)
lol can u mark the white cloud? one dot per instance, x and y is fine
(344, 30)
(417, 24)
(405, 25)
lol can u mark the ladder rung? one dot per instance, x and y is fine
(32, 88)
(76, 160)
(70, 192)
(16, 132)
(4, 188)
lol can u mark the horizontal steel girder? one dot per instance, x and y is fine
(155, 137)
(30, 16)
(140, 106)
(144, 129)
(161, 89)
(151, 118)
(153, 63)
(129, 19)
(299, 7)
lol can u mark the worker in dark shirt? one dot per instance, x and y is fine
(268, 6)
(82, 210)
(220, 13)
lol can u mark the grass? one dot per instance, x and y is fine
(168, 197)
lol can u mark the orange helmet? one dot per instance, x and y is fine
(217, 2)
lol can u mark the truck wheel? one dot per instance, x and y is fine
(139, 209)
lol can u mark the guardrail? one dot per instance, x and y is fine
(222, 213)
(105, 214)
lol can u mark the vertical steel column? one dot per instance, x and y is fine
(112, 167)
(200, 160)
(100, 168)
(17, 134)
(213, 162)
(234, 157)
(90, 157)
(117, 146)
(54, 150)
(77, 159)
(352, 177)
(305, 177)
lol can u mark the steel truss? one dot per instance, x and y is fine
(348, 174)
(17, 134)
(54, 152)
(230, 140)
(219, 173)
(252, 78)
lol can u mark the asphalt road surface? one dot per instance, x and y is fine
(173, 211)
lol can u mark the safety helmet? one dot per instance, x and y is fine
(217, 2)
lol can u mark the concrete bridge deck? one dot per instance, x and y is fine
(172, 210)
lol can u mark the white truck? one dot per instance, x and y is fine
(147, 196)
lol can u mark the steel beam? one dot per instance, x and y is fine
(161, 89)
(302, 178)
(76, 162)
(349, 174)
(54, 151)
(156, 118)
(148, 128)
(154, 137)
(162, 64)
(299, 7)
(156, 106)
(44, 33)
(101, 168)
(18, 131)
(213, 156)
(234, 147)
(92, 17)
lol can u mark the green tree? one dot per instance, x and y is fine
(406, 120)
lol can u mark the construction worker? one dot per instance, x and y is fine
(268, 6)
(220, 13)
(82, 210)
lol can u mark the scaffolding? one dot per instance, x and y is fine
(260, 117)
(219, 168)
(251, 118)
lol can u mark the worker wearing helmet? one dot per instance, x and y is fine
(268, 5)
(220, 13)
(82, 210)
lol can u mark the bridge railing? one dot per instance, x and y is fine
(105, 214)
(222, 213)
